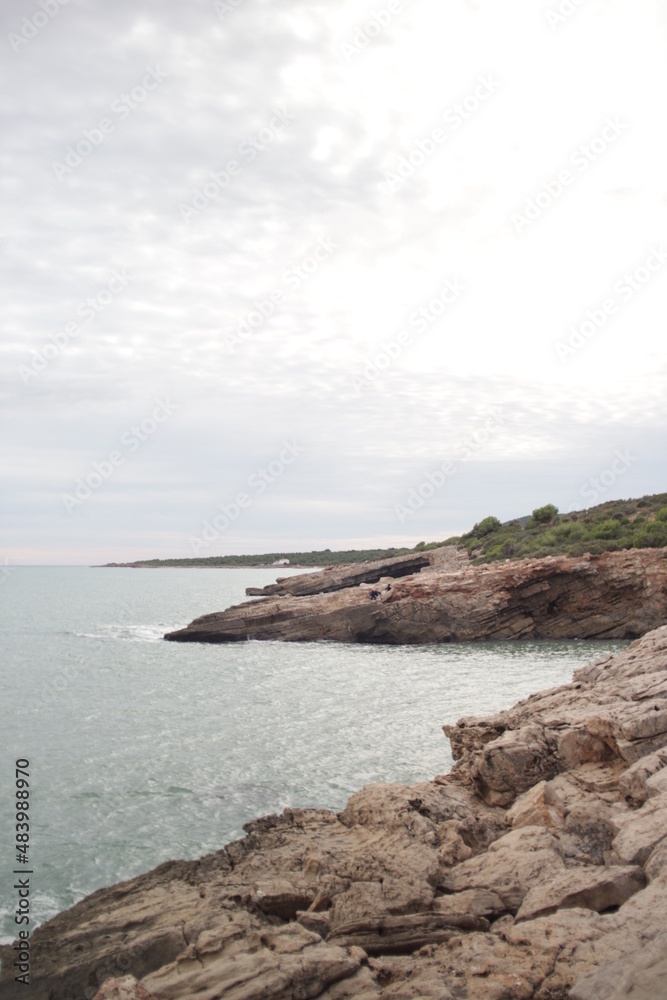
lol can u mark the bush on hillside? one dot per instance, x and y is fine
(546, 514)
(485, 527)
(652, 536)
(607, 529)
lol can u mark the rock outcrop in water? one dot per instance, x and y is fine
(615, 595)
(536, 870)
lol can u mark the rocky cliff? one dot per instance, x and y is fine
(614, 595)
(536, 869)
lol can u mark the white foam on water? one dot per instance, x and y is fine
(128, 633)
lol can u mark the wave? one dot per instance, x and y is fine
(126, 633)
(43, 907)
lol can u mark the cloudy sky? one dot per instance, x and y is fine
(318, 273)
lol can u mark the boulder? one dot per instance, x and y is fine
(641, 976)
(633, 783)
(280, 963)
(591, 887)
(512, 865)
(641, 831)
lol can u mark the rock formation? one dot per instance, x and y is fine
(618, 595)
(332, 578)
(536, 870)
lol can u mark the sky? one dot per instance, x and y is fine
(324, 274)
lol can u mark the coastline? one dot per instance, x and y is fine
(440, 597)
(536, 868)
(238, 566)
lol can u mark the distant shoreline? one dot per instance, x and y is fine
(236, 566)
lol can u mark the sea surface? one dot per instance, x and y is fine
(142, 750)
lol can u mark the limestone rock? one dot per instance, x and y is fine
(511, 866)
(280, 963)
(656, 863)
(473, 902)
(333, 578)
(614, 595)
(657, 784)
(641, 976)
(591, 887)
(515, 762)
(539, 806)
(641, 831)
(593, 712)
(125, 988)
(633, 783)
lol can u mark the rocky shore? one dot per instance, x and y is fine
(536, 869)
(615, 595)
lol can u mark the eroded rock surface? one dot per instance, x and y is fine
(615, 595)
(537, 869)
(332, 578)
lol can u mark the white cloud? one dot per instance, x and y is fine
(323, 175)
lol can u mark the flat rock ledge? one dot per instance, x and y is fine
(536, 869)
(619, 595)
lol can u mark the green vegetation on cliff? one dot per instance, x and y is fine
(609, 527)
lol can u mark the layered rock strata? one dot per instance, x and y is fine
(536, 870)
(332, 578)
(615, 595)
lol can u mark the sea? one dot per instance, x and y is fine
(141, 750)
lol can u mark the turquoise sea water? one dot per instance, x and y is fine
(142, 750)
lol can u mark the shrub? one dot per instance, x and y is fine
(486, 526)
(546, 514)
(652, 536)
(661, 515)
(571, 531)
(607, 529)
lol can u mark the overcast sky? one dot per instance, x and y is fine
(317, 273)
